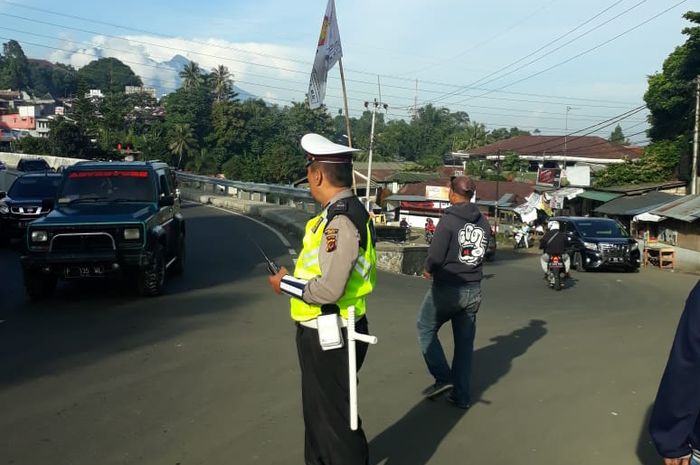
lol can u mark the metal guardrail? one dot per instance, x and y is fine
(284, 191)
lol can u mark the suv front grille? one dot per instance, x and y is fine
(76, 242)
(614, 250)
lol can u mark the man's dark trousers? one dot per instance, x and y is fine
(326, 401)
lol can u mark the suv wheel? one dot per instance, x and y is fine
(179, 266)
(38, 285)
(578, 262)
(151, 279)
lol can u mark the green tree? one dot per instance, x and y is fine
(57, 79)
(192, 75)
(203, 161)
(14, 67)
(658, 163)
(617, 137)
(67, 139)
(109, 75)
(192, 107)
(512, 162)
(182, 142)
(670, 94)
(34, 145)
(222, 84)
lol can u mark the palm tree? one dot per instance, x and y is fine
(191, 75)
(221, 83)
(182, 141)
(203, 162)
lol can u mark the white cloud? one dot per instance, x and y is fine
(149, 57)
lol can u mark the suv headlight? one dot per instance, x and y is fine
(590, 245)
(132, 234)
(634, 246)
(40, 236)
(4, 209)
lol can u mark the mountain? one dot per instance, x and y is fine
(178, 62)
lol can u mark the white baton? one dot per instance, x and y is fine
(352, 363)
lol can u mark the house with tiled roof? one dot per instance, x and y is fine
(558, 151)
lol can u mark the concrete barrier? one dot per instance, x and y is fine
(393, 257)
(11, 159)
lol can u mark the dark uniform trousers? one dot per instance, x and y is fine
(326, 401)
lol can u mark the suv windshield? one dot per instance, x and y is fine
(35, 165)
(601, 228)
(36, 188)
(108, 186)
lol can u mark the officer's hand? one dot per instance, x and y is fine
(427, 275)
(275, 280)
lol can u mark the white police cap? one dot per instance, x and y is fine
(322, 150)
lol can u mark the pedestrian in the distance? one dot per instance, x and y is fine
(454, 264)
(675, 418)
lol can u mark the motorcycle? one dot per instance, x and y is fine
(428, 237)
(556, 272)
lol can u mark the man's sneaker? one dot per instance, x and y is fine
(436, 389)
(454, 402)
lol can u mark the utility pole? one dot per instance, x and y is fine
(498, 182)
(694, 168)
(566, 127)
(376, 104)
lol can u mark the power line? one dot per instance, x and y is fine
(306, 64)
(544, 47)
(584, 52)
(486, 41)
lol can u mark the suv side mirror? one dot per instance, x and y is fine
(167, 201)
(3, 194)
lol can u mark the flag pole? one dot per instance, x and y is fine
(345, 102)
(348, 127)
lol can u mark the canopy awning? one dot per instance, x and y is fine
(648, 217)
(600, 196)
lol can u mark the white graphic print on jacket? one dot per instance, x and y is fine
(472, 244)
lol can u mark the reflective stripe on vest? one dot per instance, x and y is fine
(359, 285)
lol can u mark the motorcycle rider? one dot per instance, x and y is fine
(429, 230)
(554, 243)
(521, 236)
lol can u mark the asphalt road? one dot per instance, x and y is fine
(207, 373)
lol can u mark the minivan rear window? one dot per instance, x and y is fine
(601, 228)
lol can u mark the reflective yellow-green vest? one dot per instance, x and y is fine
(359, 285)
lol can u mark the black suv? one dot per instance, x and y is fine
(30, 197)
(32, 165)
(599, 243)
(109, 218)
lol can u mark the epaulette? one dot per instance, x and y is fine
(352, 208)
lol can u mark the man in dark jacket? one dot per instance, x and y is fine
(675, 419)
(554, 243)
(454, 264)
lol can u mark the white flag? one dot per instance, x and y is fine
(328, 52)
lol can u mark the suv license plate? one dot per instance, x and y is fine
(84, 271)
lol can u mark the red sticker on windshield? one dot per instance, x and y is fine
(109, 174)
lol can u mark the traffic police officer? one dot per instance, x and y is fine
(336, 269)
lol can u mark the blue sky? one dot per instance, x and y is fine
(445, 45)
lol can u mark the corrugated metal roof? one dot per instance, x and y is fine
(600, 196)
(407, 198)
(634, 205)
(686, 209)
(405, 177)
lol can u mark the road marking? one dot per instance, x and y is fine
(279, 235)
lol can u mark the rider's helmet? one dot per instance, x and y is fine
(553, 225)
